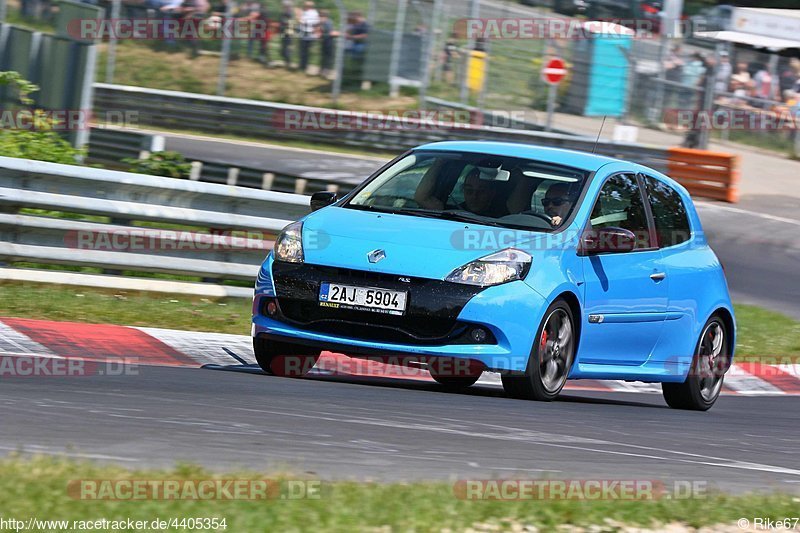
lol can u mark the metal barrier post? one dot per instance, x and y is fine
(397, 45)
(430, 53)
(708, 97)
(340, 43)
(474, 12)
(226, 53)
(111, 59)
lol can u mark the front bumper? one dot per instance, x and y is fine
(435, 324)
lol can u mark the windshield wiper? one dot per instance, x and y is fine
(365, 207)
(461, 216)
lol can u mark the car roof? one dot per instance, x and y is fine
(571, 158)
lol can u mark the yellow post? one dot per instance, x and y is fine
(476, 71)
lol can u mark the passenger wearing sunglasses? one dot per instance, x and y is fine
(556, 203)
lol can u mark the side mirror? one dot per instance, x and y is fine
(322, 199)
(607, 241)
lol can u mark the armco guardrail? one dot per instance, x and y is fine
(220, 115)
(110, 145)
(228, 229)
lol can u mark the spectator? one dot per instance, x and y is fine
(357, 35)
(674, 64)
(258, 27)
(788, 76)
(673, 71)
(741, 83)
(691, 76)
(287, 30)
(450, 57)
(327, 42)
(762, 88)
(723, 75)
(309, 32)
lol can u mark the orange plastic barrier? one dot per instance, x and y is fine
(708, 174)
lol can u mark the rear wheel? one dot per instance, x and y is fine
(550, 360)
(282, 359)
(704, 382)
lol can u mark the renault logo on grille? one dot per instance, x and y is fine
(376, 255)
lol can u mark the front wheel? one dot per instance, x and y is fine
(282, 359)
(704, 382)
(550, 360)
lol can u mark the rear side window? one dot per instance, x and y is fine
(620, 205)
(672, 224)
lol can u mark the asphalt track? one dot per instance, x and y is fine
(378, 429)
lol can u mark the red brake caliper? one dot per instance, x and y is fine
(544, 339)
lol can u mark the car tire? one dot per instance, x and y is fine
(703, 384)
(282, 359)
(542, 380)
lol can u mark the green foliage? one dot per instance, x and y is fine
(169, 164)
(23, 87)
(39, 141)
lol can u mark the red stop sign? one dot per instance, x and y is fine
(554, 71)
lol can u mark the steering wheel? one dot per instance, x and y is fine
(544, 217)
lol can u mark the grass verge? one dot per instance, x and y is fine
(37, 487)
(761, 333)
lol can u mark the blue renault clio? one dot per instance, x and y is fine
(538, 263)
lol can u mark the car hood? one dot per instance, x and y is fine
(413, 246)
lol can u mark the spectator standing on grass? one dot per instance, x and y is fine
(328, 37)
(741, 83)
(673, 71)
(287, 30)
(357, 35)
(762, 85)
(724, 71)
(450, 58)
(309, 32)
(257, 20)
(692, 75)
(789, 75)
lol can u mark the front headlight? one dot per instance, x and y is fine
(289, 244)
(501, 267)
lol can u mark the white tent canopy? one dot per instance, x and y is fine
(776, 29)
(759, 41)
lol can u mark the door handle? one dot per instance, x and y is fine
(658, 276)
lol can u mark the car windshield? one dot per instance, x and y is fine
(486, 189)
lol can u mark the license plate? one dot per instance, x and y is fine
(362, 298)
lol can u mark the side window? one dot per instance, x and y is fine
(620, 205)
(669, 213)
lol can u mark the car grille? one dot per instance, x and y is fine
(431, 315)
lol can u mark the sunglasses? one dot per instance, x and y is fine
(557, 202)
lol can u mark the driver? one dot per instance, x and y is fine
(556, 203)
(479, 194)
